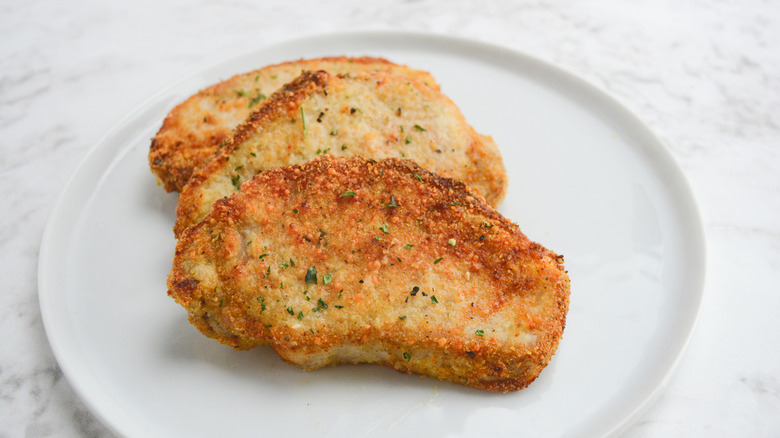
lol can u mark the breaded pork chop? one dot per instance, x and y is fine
(376, 115)
(347, 260)
(193, 130)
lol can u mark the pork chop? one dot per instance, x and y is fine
(349, 260)
(193, 130)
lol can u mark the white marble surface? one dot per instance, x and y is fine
(704, 75)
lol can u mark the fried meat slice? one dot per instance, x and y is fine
(350, 260)
(377, 115)
(193, 130)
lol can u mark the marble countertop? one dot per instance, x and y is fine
(704, 76)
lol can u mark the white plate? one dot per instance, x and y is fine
(587, 180)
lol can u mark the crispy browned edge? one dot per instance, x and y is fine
(284, 100)
(182, 288)
(174, 174)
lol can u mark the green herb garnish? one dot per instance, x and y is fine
(392, 202)
(480, 332)
(262, 304)
(436, 262)
(303, 121)
(327, 278)
(419, 178)
(408, 246)
(311, 275)
(419, 128)
(320, 305)
(347, 193)
(255, 100)
(384, 229)
(434, 300)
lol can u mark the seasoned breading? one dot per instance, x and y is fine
(347, 260)
(376, 115)
(193, 130)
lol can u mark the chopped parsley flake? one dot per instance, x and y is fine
(407, 356)
(419, 178)
(347, 193)
(292, 263)
(408, 139)
(262, 304)
(334, 132)
(303, 121)
(480, 332)
(295, 210)
(255, 100)
(343, 147)
(320, 305)
(262, 256)
(327, 278)
(408, 246)
(311, 275)
(434, 300)
(436, 262)
(378, 238)
(236, 180)
(300, 316)
(290, 310)
(419, 128)
(392, 202)
(384, 229)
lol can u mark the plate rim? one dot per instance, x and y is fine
(660, 150)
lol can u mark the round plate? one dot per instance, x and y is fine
(587, 180)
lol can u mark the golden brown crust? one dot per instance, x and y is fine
(193, 130)
(414, 271)
(376, 115)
